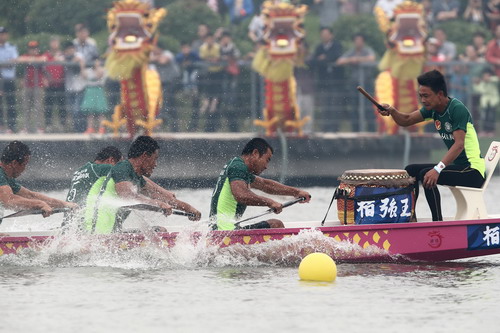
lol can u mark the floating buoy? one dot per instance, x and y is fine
(318, 267)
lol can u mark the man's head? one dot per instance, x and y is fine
(145, 151)
(55, 43)
(203, 30)
(257, 154)
(109, 155)
(82, 32)
(4, 35)
(326, 35)
(16, 156)
(432, 89)
(33, 47)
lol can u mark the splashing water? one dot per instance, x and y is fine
(193, 249)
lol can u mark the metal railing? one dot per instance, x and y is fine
(205, 100)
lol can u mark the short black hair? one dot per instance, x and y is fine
(109, 152)
(141, 145)
(257, 143)
(15, 151)
(330, 29)
(434, 80)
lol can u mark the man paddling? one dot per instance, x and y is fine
(90, 177)
(128, 182)
(15, 158)
(462, 164)
(232, 193)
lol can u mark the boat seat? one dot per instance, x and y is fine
(470, 200)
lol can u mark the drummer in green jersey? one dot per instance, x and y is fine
(15, 158)
(128, 182)
(462, 164)
(232, 193)
(91, 175)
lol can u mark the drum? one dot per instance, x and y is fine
(374, 196)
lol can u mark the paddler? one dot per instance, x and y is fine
(233, 192)
(15, 158)
(90, 177)
(462, 164)
(128, 182)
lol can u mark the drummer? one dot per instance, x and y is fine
(232, 193)
(462, 164)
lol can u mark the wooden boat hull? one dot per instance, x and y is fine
(397, 242)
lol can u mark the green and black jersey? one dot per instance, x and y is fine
(6, 180)
(224, 208)
(457, 117)
(83, 180)
(103, 215)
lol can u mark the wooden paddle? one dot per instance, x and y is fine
(371, 99)
(270, 210)
(34, 212)
(151, 208)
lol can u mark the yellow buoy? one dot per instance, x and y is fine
(318, 267)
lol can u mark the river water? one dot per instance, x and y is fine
(71, 286)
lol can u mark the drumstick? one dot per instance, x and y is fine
(371, 99)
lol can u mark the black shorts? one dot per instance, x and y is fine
(258, 225)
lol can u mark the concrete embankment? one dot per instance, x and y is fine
(195, 159)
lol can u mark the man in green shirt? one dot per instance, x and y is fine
(462, 164)
(128, 182)
(13, 162)
(232, 193)
(91, 174)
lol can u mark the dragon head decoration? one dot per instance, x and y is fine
(132, 25)
(282, 36)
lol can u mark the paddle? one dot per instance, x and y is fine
(151, 208)
(270, 210)
(34, 212)
(371, 99)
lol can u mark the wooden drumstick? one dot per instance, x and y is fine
(371, 99)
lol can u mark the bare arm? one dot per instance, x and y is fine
(243, 195)
(402, 119)
(126, 190)
(157, 192)
(273, 187)
(52, 202)
(15, 201)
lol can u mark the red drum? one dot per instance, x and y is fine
(375, 196)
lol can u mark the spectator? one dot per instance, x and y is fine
(328, 12)
(94, 103)
(487, 87)
(54, 92)
(164, 63)
(447, 48)
(34, 82)
(360, 53)
(474, 12)
(493, 51)
(74, 85)
(328, 78)
(187, 60)
(239, 9)
(492, 13)
(428, 14)
(203, 31)
(434, 56)
(445, 10)
(230, 55)
(210, 52)
(479, 43)
(8, 53)
(388, 6)
(256, 27)
(85, 45)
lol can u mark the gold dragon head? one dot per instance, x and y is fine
(132, 25)
(283, 28)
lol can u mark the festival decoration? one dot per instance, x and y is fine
(275, 61)
(402, 62)
(132, 25)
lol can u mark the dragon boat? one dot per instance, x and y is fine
(370, 227)
(391, 242)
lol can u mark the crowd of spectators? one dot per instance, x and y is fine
(65, 89)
